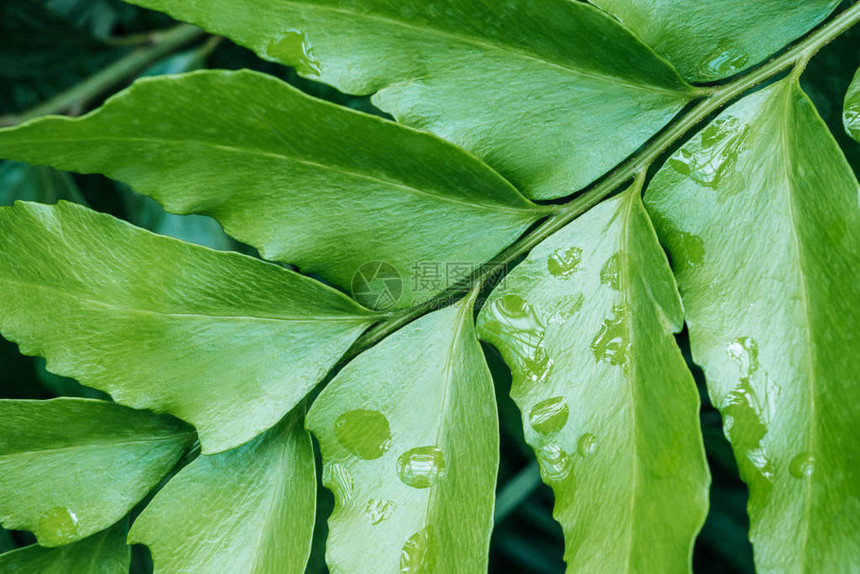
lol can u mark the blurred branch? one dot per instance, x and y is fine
(517, 490)
(159, 44)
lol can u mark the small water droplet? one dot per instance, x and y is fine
(802, 465)
(727, 59)
(709, 156)
(378, 510)
(586, 445)
(421, 467)
(520, 331)
(293, 48)
(612, 344)
(339, 480)
(549, 416)
(415, 556)
(364, 433)
(564, 262)
(609, 271)
(58, 526)
(555, 464)
(744, 351)
(692, 249)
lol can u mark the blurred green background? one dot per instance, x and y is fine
(67, 56)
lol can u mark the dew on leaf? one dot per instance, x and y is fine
(708, 158)
(744, 423)
(609, 272)
(555, 463)
(421, 467)
(802, 465)
(549, 416)
(339, 480)
(726, 60)
(692, 250)
(521, 331)
(744, 351)
(612, 343)
(564, 262)
(364, 433)
(415, 556)
(378, 510)
(293, 48)
(586, 445)
(58, 526)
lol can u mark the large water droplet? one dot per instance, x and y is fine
(416, 556)
(708, 158)
(378, 510)
(563, 262)
(802, 465)
(339, 480)
(609, 273)
(744, 424)
(555, 464)
(612, 343)
(586, 445)
(727, 59)
(520, 331)
(58, 526)
(364, 433)
(549, 416)
(293, 48)
(421, 467)
(744, 351)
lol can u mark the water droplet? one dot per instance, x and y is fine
(415, 556)
(293, 48)
(58, 526)
(339, 480)
(726, 60)
(567, 306)
(612, 344)
(744, 350)
(744, 424)
(549, 416)
(563, 262)
(802, 465)
(609, 271)
(520, 332)
(692, 250)
(708, 157)
(555, 464)
(378, 510)
(421, 467)
(586, 445)
(364, 433)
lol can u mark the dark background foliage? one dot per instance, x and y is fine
(48, 47)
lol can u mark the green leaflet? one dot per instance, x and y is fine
(411, 451)
(551, 93)
(221, 340)
(72, 467)
(851, 113)
(714, 39)
(586, 323)
(289, 174)
(760, 214)
(102, 553)
(245, 511)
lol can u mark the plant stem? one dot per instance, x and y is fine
(517, 490)
(159, 45)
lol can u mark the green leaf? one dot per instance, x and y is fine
(245, 511)
(289, 174)
(550, 93)
(409, 437)
(585, 324)
(851, 113)
(714, 39)
(760, 214)
(221, 340)
(102, 553)
(72, 467)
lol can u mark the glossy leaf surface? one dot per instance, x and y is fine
(851, 112)
(289, 174)
(221, 340)
(585, 324)
(72, 467)
(760, 214)
(409, 438)
(101, 553)
(550, 93)
(249, 510)
(711, 40)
